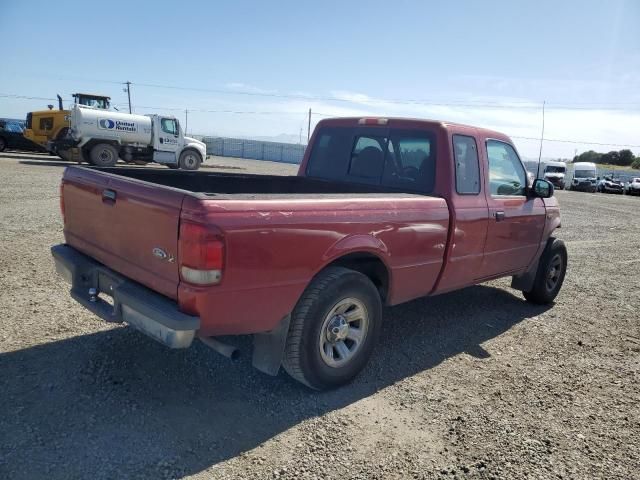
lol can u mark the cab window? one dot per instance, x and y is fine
(402, 160)
(465, 154)
(46, 123)
(506, 173)
(169, 125)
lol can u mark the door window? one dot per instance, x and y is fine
(506, 173)
(169, 125)
(465, 154)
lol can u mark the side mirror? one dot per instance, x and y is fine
(542, 188)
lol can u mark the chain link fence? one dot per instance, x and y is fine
(254, 149)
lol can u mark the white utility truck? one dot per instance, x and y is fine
(100, 137)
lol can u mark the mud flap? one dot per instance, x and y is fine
(268, 348)
(524, 282)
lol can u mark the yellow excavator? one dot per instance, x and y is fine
(46, 126)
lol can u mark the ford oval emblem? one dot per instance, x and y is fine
(160, 253)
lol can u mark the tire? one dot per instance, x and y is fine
(190, 160)
(104, 155)
(3, 144)
(64, 154)
(311, 356)
(550, 275)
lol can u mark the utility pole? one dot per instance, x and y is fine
(129, 94)
(186, 120)
(309, 127)
(541, 140)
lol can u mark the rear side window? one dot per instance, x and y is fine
(399, 159)
(465, 153)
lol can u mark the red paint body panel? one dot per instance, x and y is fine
(122, 234)
(273, 247)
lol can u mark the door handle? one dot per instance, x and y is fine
(499, 215)
(109, 196)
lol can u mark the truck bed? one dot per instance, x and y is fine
(278, 232)
(250, 186)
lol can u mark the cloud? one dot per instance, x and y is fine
(247, 88)
(513, 113)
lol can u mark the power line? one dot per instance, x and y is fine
(368, 102)
(365, 101)
(256, 112)
(576, 142)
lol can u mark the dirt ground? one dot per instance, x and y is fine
(472, 384)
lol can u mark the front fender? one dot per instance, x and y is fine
(200, 148)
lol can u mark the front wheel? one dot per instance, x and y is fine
(190, 160)
(333, 329)
(550, 275)
(3, 144)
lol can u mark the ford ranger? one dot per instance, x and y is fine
(382, 211)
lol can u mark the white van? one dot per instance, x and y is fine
(584, 177)
(555, 172)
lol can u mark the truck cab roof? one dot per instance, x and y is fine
(397, 122)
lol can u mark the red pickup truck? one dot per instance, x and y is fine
(382, 211)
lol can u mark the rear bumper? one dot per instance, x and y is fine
(143, 309)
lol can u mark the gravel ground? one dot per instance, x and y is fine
(472, 384)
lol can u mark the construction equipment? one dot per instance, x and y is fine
(46, 127)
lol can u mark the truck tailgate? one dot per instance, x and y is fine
(127, 225)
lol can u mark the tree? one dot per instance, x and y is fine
(626, 157)
(589, 156)
(611, 158)
(636, 163)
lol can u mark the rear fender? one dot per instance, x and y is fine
(355, 244)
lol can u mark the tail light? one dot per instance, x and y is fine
(62, 201)
(201, 254)
(373, 121)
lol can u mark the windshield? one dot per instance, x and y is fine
(585, 174)
(555, 169)
(94, 102)
(14, 126)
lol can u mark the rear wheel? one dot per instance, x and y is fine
(104, 155)
(190, 160)
(550, 275)
(3, 144)
(333, 329)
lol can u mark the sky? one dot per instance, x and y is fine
(255, 68)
